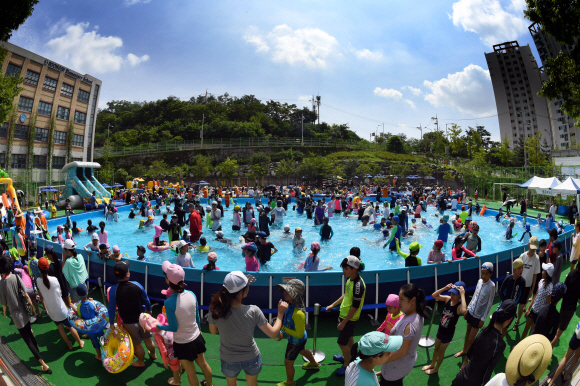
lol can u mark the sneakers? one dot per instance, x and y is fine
(341, 371)
(338, 358)
(309, 366)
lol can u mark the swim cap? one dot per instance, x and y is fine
(396, 218)
(212, 256)
(315, 246)
(286, 227)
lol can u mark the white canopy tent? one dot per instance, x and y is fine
(542, 185)
(571, 186)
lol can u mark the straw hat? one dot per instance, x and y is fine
(528, 361)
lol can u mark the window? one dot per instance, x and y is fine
(83, 96)
(21, 132)
(44, 108)
(25, 104)
(31, 78)
(78, 140)
(49, 84)
(4, 130)
(60, 137)
(2, 160)
(62, 113)
(67, 90)
(80, 117)
(18, 161)
(39, 162)
(13, 70)
(41, 135)
(58, 162)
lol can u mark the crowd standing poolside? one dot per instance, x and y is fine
(60, 281)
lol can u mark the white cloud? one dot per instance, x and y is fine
(468, 91)
(90, 52)
(310, 47)
(129, 3)
(368, 54)
(410, 103)
(388, 93)
(415, 91)
(305, 98)
(490, 20)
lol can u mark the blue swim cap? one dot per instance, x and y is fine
(396, 218)
(527, 227)
(377, 226)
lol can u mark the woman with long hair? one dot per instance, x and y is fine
(10, 287)
(412, 304)
(57, 310)
(235, 323)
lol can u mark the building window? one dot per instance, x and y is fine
(32, 78)
(13, 70)
(41, 135)
(18, 161)
(67, 90)
(62, 113)
(39, 162)
(2, 160)
(80, 117)
(58, 162)
(44, 108)
(4, 130)
(60, 137)
(49, 84)
(25, 104)
(83, 96)
(78, 140)
(21, 132)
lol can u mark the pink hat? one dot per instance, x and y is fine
(315, 245)
(158, 231)
(174, 272)
(212, 256)
(114, 209)
(392, 301)
(116, 248)
(253, 220)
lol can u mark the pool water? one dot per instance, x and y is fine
(348, 233)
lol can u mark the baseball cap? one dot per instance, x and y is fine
(121, 268)
(141, 248)
(376, 342)
(559, 291)
(351, 261)
(236, 281)
(250, 246)
(439, 243)
(534, 243)
(181, 243)
(103, 246)
(94, 236)
(557, 244)
(457, 284)
(69, 244)
(43, 264)
(517, 263)
(48, 249)
(82, 290)
(396, 218)
(262, 235)
(549, 268)
(219, 234)
(214, 202)
(173, 272)
(415, 246)
(116, 248)
(487, 266)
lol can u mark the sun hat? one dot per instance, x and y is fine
(528, 359)
(251, 247)
(69, 244)
(517, 263)
(174, 272)
(534, 242)
(351, 261)
(454, 289)
(415, 246)
(487, 266)
(315, 246)
(549, 268)
(116, 248)
(376, 342)
(439, 243)
(295, 289)
(236, 281)
(212, 256)
(94, 236)
(392, 301)
(43, 264)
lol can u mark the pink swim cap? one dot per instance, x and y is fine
(392, 301)
(315, 246)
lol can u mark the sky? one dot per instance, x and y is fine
(395, 63)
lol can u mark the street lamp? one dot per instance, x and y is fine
(108, 126)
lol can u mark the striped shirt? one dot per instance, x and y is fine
(357, 376)
(182, 317)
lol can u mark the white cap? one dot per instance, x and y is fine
(236, 281)
(219, 234)
(286, 227)
(214, 202)
(94, 236)
(69, 244)
(180, 244)
(548, 267)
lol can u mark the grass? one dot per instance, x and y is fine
(377, 155)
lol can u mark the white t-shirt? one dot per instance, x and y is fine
(217, 215)
(531, 267)
(279, 214)
(53, 299)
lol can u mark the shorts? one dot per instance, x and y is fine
(444, 336)
(337, 211)
(136, 332)
(384, 382)
(189, 351)
(233, 369)
(565, 318)
(574, 343)
(292, 350)
(471, 320)
(346, 333)
(235, 228)
(525, 294)
(533, 315)
(64, 322)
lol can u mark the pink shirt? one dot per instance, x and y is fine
(435, 257)
(252, 264)
(103, 237)
(389, 322)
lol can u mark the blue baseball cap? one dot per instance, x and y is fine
(454, 289)
(262, 235)
(376, 342)
(250, 246)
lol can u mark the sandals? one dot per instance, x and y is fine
(515, 327)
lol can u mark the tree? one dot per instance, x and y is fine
(396, 145)
(69, 140)
(457, 144)
(106, 173)
(201, 167)
(138, 170)
(9, 85)
(349, 168)
(14, 13)
(400, 170)
(50, 151)
(259, 165)
(286, 168)
(316, 167)
(425, 171)
(228, 169)
(158, 169)
(369, 168)
(534, 153)
(448, 175)
(505, 151)
(560, 20)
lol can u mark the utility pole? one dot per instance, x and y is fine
(201, 134)
(318, 103)
(302, 129)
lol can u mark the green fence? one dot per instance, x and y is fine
(31, 182)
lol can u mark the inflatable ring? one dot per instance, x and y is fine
(117, 350)
(155, 248)
(89, 326)
(483, 209)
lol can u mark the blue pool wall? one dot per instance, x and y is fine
(322, 287)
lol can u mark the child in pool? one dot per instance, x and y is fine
(312, 261)
(249, 253)
(184, 258)
(286, 233)
(141, 253)
(211, 260)
(499, 215)
(509, 230)
(109, 215)
(157, 238)
(203, 247)
(252, 225)
(526, 236)
(149, 221)
(298, 242)
(458, 249)
(326, 232)
(436, 255)
(132, 214)
(115, 215)
(394, 314)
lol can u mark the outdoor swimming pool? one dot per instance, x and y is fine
(347, 233)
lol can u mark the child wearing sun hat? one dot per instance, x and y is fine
(394, 314)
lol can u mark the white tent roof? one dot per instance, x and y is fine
(570, 186)
(544, 183)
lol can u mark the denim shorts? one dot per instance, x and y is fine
(251, 367)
